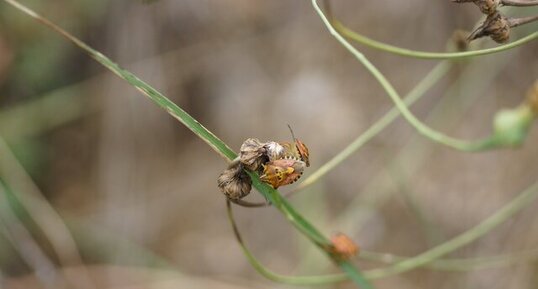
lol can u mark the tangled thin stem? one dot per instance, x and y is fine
(524, 199)
(434, 135)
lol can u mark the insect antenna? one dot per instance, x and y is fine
(292, 134)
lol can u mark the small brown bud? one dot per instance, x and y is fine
(496, 26)
(343, 247)
(487, 7)
(459, 40)
(532, 98)
(274, 150)
(252, 154)
(234, 181)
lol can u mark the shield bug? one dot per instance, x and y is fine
(282, 172)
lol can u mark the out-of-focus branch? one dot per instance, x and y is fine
(514, 22)
(494, 3)
(41, 212)
(520, 3)
(23, 242)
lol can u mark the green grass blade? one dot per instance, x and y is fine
(157, 97)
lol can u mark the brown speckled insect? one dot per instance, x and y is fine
(289, 167)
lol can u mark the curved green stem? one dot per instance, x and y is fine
(157, 97)
(524, 199)
(462, 145)
(427, 258)
(464, 264)
(420, 89)
(307, 229)
(519, 3)
(423, 54)
(262, 270)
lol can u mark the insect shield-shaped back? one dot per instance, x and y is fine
(282, 172)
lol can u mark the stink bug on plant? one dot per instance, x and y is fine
(279, 163)
(289, 167)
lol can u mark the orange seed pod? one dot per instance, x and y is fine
(343, 247)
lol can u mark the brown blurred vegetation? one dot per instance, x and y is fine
(138, 190)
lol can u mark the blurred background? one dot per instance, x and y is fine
(96, 174)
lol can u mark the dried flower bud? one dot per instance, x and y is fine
(234, 181)
(512, 125)
(487, 7)
(496, 26)
(274, 150)
(343, 247)
(532, 98)
(252, 154)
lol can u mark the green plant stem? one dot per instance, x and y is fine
(39, 209)
(402, 264)
(465, 264)
(518, 203)
(462, 145)
(338, 26)
(476, 76)
(42, 212)
(418, 91)
(215, 143)
(27, 246)
(262, 270)
(308, 230)
(519, 3)
(158, 98)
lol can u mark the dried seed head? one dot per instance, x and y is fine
(487, 6)
(234, 182)
(252, 154)
(343, 247)
(274, 150)
(532, 98)
(496, 26)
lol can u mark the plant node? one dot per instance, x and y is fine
(496, 26)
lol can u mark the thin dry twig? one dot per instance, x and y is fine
(514, 22)
(497, 26)
(519, 3)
